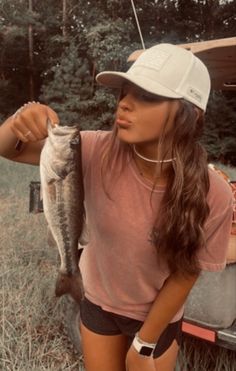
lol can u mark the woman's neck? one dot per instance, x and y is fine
(156, 173)
(150, 167)
(153, 159)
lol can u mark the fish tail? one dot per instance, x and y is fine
(69, 284)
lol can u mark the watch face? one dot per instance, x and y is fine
(145, 351)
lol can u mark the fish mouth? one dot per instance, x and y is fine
(62, 130)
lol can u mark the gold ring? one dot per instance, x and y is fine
(27, 134)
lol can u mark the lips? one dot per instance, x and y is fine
(123, 123)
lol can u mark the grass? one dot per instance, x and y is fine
(197, 355)
(31, 332)
(32, 335)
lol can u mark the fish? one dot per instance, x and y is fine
(63, 202)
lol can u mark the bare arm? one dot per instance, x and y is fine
(30, 127)
(170, 299)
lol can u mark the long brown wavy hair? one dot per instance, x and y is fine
(179, 232)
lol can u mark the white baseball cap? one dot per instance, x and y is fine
(166, 70)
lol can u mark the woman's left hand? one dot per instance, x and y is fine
(137, 362)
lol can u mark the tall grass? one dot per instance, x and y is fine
(31, 332)
(32, 336)
(198, 355)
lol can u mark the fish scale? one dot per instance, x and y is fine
(63, 196)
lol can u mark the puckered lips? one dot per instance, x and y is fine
(123, 122)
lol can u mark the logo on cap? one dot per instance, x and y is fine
(153, 59)
(195, 94)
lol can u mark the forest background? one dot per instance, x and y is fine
(51, 51)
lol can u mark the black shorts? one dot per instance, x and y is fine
(102, 322)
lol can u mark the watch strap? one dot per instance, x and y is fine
(142, 347)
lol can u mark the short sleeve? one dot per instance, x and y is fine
(91, 141)
(212, 257)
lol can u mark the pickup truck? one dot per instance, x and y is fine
(210, 311)
(209, 325)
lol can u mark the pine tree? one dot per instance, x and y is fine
(70, 87)
(101, 45)
(76, 39)
(220, 130)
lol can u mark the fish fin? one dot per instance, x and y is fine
(69, 284)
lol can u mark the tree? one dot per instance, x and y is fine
(220, 130)
(72, 40)
(16, 63)
(99, 45)
(31, 55)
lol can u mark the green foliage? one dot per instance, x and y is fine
(71, 88)
(220, 130)
(71, 80)
(70, 46)
(72, 92)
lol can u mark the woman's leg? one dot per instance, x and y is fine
(103, 352)
(167, 361)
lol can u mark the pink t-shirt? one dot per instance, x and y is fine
(119, 266)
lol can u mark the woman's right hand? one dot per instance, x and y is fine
(29, 123)
(22, 134)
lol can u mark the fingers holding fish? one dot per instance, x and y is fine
(26, 136)
(30, 122)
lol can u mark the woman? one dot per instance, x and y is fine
(157, 216)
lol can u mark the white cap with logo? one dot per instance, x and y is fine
(166, 70)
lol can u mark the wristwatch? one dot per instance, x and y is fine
(142, 347)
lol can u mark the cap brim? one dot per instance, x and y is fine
(115, 80)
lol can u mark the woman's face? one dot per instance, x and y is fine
(141, 116)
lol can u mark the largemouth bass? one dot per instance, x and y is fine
(63, 196)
